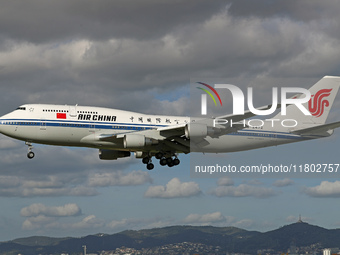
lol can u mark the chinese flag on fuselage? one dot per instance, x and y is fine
(61, 115)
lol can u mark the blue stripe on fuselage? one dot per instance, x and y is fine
(79, 124)
(137, 126)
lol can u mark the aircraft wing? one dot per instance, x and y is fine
(179, 137)
(171, 138)
(317, 129)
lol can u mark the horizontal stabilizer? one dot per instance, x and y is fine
(318, 129)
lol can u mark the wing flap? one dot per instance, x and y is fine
(172, 131)
(157, 134)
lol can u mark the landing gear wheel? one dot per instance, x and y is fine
(146, 160)
(159, 155)
(163, 162)
(150, 166)
(171, 164)
(30, 154)
(168, 160)
(176, 161)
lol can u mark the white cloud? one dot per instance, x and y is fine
(217, 219)
(245, 223)
(119, 178)
(40, 216)
(119, 224)
(44, 185)
(90, 222)
(42, 222)
(292, 218)
(283, 182)
(254, 182)
(325, 189)
(134, 223)
(53, 192)
(19, 187)
(225, 181)
(51, 211)
(174, 189)
(37, 222)
(127, 223)
(9, 182)
(243, 190)
(205, 219)
(49, 175)
(226, 188)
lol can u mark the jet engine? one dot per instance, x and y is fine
(193, 130)
(137, 141)
(199, 130)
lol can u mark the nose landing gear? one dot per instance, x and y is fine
(30, 153)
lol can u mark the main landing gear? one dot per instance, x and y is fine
(30, 153)
(164, 160)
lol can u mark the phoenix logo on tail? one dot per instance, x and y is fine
(317, 103)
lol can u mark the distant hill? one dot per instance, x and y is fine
(302, 234)
(39, 241)
(230, 239)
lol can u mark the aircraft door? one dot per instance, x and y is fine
(273, 137)
(73, 111)
(92, 127)
(42, 124)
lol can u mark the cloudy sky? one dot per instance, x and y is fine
(141, 56)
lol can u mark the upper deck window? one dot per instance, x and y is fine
(21, 108)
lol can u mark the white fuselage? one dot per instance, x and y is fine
(77, 125)
(80, 126)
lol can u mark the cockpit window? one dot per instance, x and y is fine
(21, 108)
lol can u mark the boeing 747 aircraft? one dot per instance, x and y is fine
(117, 133)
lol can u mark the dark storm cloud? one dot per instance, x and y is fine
(41, 21)
(101, 66)
(302, 10)
(128, 55)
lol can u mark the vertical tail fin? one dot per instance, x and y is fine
(323, 95)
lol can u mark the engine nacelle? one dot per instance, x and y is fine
(136, 141)
(193, 130)
(113, 155)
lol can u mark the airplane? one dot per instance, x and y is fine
(117, 133)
